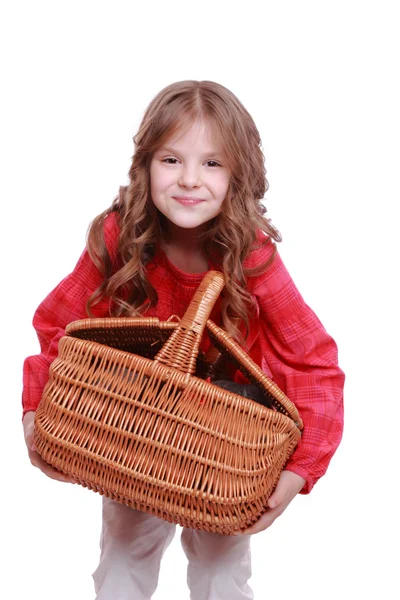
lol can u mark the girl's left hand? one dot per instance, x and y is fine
(289, 485)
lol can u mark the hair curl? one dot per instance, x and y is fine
(176, 107)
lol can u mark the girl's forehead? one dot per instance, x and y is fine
(199, 132)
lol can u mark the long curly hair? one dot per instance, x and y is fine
(231, 236)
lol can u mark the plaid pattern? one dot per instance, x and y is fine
(286, 340)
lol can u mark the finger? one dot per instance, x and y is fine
(275, 500)
(43, 466)
(30, 443)
(278, 496)
(29, 438)
(263, 523)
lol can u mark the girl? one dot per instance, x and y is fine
(194, 203)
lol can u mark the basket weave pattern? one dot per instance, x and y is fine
(127, 416)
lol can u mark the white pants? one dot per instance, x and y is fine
(133, 544)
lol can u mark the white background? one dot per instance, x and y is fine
(321, 82)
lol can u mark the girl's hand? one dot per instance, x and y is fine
(289, 485)
(37, 461)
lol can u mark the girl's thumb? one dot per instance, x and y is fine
(273, 501)
(31, 443)
(29, 439)
(276, 498)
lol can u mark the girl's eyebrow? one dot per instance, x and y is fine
(175, 151)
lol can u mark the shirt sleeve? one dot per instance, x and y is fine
(303, 360)
(66, 303)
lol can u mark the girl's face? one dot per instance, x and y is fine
(189, 177)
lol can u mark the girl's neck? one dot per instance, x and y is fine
(184, 250)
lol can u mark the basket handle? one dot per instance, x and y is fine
(181, 349)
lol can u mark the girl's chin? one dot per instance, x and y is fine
(188, 224)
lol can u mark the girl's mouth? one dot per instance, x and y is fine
(188, 200)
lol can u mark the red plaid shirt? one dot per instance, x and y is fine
(286, 340)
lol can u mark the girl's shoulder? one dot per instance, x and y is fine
(262, 252)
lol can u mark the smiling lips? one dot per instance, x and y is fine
(188, 200)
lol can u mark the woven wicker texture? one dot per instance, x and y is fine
(125, 414)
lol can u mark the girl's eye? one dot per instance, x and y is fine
(173, 161)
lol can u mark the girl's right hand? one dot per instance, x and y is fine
(35, 458)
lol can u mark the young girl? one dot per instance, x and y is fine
(194, 202)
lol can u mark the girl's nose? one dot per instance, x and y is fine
(189, 177)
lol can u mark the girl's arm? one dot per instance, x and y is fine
(66, 303)
(303, 361)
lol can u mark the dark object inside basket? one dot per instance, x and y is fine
(247, 390)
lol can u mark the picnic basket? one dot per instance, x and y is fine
(127, 413)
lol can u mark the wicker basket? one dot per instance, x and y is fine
(126, 414)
